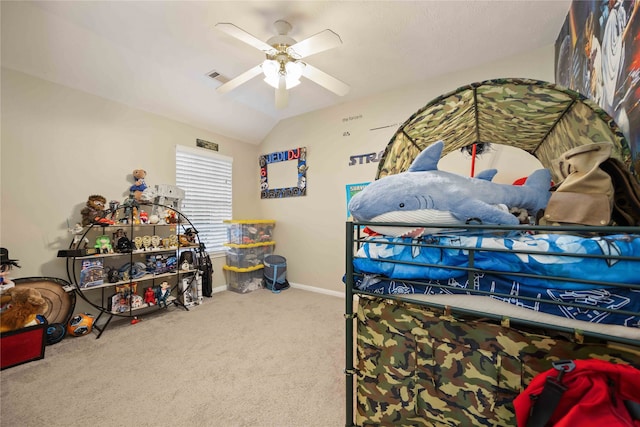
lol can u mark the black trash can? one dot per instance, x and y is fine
(275, 273)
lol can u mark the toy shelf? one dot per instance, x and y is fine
(92, 274)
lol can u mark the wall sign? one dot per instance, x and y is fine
(359, 159)
(299, 189)
(206, 144)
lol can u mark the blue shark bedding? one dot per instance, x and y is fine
(554, 269)
(563, 256)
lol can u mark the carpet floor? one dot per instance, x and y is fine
(258, 359)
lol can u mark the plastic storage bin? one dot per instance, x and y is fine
(275, 273)
(251, 255)
(244, 232)
(243, 280)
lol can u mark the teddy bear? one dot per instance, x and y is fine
(94, 212)
(139, 185)
(20, 308)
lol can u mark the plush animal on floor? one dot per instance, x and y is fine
(425, 195)
(20, 308)
(94, 212)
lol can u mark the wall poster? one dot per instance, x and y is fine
(288, 182)
(597, 53)
(352, 190)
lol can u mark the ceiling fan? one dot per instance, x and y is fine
(283, 65)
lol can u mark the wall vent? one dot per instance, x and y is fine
(217, 76)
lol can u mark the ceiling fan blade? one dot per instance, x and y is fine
(320, 42)
(325, 80)
(242, 78)
(243, 36)
(282, 95)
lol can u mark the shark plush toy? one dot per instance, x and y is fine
(425, 195)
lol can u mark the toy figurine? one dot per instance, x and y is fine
(136, 216)
(130, 206)
(103, 244)
(189, 237)
(170, 216)
(6, 264)
(121, 242)
(149, 296)
(183, 240)
(144, 217)
(78, 239)
(162, 293)
(191, 234)
(113, 208)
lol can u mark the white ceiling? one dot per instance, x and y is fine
(155, 55)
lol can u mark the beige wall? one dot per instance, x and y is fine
(60, 145)
(310, 230)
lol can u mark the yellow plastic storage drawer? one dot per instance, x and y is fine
(248, 231)
(243, 280)
(251, 255)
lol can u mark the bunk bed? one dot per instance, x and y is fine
(449, 325)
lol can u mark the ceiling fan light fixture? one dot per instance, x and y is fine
(282, 96)
(294, 71)
(272, 71)
(283, 66)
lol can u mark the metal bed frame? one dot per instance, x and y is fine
(355, 238)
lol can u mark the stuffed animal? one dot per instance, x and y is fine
(139, 185)
(20, 308)
(170, 216)
(94, 212)
(423, 194)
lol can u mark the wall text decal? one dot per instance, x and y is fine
(359, 159)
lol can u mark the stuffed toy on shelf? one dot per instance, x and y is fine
(139, 184)
(94, 212)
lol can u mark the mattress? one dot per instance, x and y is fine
(591, 280)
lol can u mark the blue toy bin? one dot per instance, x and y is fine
(275, 273)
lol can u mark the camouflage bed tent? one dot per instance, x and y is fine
(538, 117)
(425, 366)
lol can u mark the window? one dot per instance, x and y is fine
(205, 177)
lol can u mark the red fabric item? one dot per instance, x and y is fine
(594, 395)
(370, 232)
(520, 181)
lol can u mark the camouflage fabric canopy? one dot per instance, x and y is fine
(539, 117)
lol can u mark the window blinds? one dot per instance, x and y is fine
(206, 179)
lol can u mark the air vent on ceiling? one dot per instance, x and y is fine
(217, 77)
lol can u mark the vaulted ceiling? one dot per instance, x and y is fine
(156, 56)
